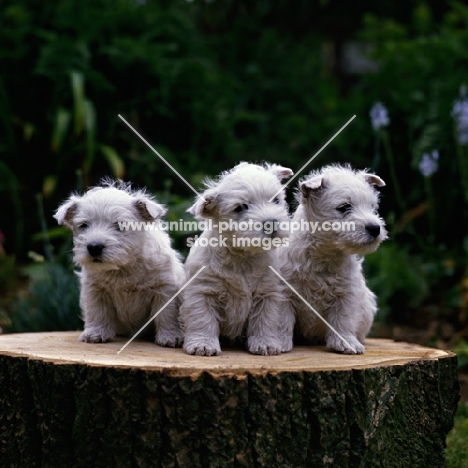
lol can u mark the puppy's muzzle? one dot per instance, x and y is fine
(373, 229)
(270, 227)
(95, 250)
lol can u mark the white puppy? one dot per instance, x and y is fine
(127, 275)
(324, 266)
(237, 295)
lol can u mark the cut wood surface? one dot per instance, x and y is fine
(64, 348)
(72, 404)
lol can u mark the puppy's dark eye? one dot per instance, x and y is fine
(83, 226)
(241, 208)
(344, 208)
(276, 200)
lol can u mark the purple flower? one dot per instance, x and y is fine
(379, 116)
(429, 163)
(460, 115)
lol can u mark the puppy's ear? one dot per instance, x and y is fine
(66, 212)
(311, 187)
(373, 179)
(280, 171)
(148, 209)
(204, 207)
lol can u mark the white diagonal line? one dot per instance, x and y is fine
(313, 157)
(154, 151)
(310, 307)
(161, 309)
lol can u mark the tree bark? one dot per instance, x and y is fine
(69, 404)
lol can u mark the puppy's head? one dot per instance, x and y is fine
(246, 202)
(344, 202)
(97, 220)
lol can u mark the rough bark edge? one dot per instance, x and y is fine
(77, 416)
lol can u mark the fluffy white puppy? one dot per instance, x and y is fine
(127, 273)
(237, 295)
(339, 223)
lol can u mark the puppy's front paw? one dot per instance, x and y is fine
(351, 346)
(96, 335)
(265, 346)
(286, 345)
(169, 339)
(206, 346)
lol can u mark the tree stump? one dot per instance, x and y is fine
(69, 404)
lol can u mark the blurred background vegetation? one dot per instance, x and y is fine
(211, 83)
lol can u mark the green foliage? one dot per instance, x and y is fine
(51, 302)
(212, 83)
(461, 350)
(7, 272)
(398, 279)
(457, 450)
(421, 70)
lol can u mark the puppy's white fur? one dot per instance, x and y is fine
(237, 294)
(325, 267)
(126, 275)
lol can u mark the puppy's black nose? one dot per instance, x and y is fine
(373, 229)
(95, 250)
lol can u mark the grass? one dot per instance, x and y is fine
(457, 441)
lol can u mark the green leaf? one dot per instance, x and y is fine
(62, 123)
(28, 131)
(52, 233)
(49, 185)
(79, 101)
(427, 141)
(90, 127)
(114, 160)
